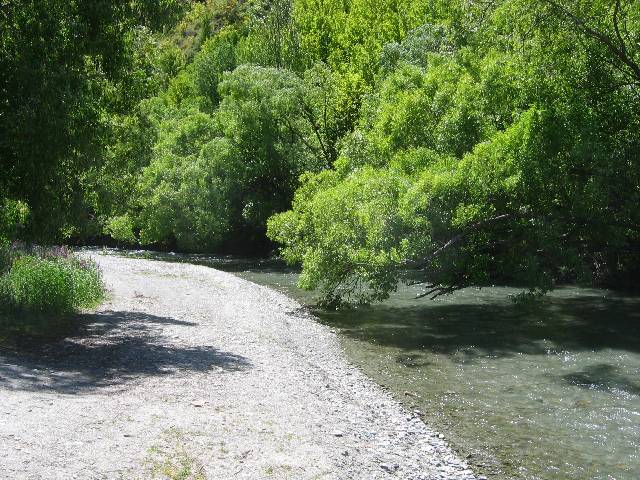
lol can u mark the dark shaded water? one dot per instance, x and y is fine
(545, 393)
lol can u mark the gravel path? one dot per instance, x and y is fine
(189, 372)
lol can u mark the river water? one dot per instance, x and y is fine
(551, 392)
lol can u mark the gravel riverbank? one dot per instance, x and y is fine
(189, 370)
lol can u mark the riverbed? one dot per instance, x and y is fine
(190, 372)
(551, 392)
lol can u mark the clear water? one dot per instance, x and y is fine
(545, 393)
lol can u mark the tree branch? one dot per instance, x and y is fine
(620, 51)
(300, 137)
(307, 113)
(459, 237)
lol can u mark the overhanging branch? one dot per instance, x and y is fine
(459, 237)
(617, 47)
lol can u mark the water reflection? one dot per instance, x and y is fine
(499, 329)
(543, 393)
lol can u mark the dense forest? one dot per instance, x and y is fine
(445, 142)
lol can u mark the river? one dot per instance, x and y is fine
(551, 392)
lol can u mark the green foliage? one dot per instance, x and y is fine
(182, 200)
(213, 167)
(351, 34)
(272, 37)
(40, 290)
(13, 216)
(353, 226)
(218, 55)
(503, 153)
(64, 64)
(122, 228)
(451, 143)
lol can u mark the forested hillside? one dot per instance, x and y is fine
(449, 143)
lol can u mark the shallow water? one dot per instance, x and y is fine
(545, 393)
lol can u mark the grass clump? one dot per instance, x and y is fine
(171, 460)
(41, 289)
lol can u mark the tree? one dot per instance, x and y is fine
(513, 158)
(56, 63)
(214, 176)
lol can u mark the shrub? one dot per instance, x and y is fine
(55, 286)
(122, 228)
(40, 291)
(13, 216)
(5, 256)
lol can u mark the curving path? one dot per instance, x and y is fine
(189, 372)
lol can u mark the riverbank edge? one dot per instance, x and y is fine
(305, 313)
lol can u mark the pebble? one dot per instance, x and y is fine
(390, 467)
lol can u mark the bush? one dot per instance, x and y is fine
(41, 289)
(122, 228)
(5, 256)
(13, 216)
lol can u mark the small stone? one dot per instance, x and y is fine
(440, 436)
(389, 467)
(337, 433)
(198, 403)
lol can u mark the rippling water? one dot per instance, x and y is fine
(545, 393)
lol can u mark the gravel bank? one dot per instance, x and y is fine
(189, 370)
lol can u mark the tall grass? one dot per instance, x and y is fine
(41, 289)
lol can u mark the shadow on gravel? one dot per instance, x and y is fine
(110, 348)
